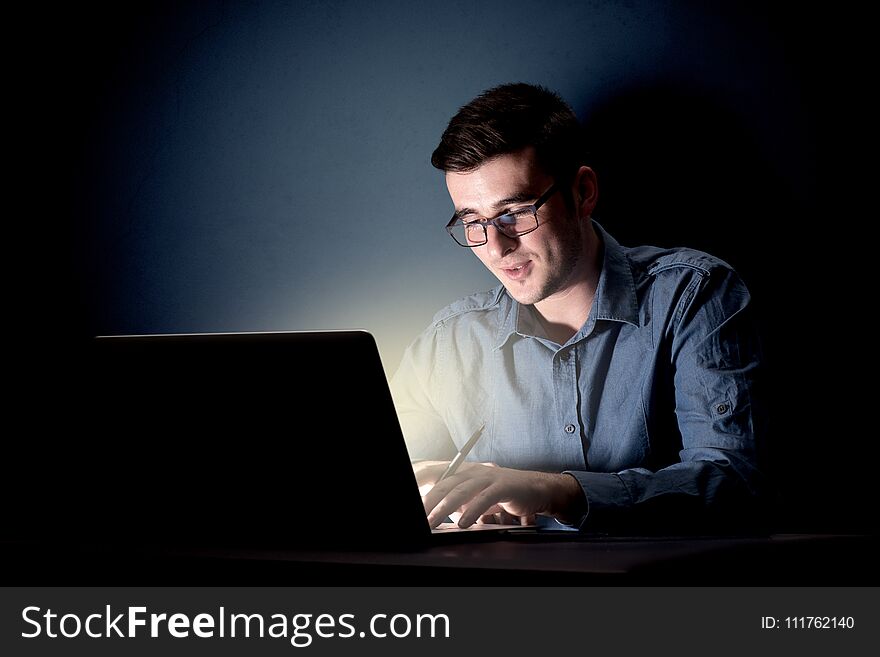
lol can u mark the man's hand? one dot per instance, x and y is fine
(427, 474)
(488, 493)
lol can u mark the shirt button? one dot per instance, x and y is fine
(569, 428)
(721, 408)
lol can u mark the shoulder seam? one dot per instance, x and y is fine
(462, 311)
(658, 268)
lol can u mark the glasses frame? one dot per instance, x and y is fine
(497, 223)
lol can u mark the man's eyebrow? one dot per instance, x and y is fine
(518, 197)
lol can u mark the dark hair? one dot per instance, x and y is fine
(507, 119)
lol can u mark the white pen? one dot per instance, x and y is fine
(462, 454)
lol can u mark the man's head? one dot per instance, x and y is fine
(507, 119)
(501, 152)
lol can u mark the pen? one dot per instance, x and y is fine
(462, 454)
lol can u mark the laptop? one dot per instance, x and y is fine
(276, 439)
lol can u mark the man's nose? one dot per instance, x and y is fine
(499, 244)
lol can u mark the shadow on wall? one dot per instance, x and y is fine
(678, 168)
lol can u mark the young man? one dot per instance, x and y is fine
(606, 386)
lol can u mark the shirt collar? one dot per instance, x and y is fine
(615, 299)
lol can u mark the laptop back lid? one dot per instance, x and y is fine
(253, 439)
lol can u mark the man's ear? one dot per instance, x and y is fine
(585, 192)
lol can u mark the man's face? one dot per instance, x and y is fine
(535, 266)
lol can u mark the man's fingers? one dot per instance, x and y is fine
(494, 516)
(479, 490)
(498, 516)
(483, 502)
(458, 497)
(442, 489)
(439, 491)
(506, 518)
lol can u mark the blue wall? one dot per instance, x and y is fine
(264, 165)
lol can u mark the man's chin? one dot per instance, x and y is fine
(522, 296)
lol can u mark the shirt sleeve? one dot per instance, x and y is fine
(715, 360)
(414, 389)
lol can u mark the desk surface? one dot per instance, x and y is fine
(783, 559)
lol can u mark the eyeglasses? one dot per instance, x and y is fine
(513, 223)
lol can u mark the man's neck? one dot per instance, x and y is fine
(565, 312)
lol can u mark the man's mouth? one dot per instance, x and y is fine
(518, 271)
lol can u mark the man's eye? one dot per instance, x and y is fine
(514, 216)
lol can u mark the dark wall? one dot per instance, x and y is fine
(264, 165)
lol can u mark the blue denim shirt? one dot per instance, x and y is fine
(651, 405)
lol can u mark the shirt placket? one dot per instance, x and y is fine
(568, 430)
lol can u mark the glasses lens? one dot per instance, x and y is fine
(470, 234)
(518, 222)
(511, 224)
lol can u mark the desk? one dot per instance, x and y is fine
(777, 560)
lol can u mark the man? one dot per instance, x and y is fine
(607, 387)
